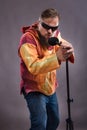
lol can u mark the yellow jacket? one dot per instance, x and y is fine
(38, 66)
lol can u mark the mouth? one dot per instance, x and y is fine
(48, 36)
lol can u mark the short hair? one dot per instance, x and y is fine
(50, 13)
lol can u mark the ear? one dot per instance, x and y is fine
(39, 21)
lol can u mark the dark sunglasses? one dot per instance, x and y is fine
(49, 27)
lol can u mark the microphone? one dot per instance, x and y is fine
(54, 41)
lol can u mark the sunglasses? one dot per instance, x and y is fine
(49, 27)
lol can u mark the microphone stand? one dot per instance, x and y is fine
(69, 122)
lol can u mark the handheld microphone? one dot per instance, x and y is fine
(54, 41)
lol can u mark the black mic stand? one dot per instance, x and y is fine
(69, 122)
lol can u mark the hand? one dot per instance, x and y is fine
(64, 51)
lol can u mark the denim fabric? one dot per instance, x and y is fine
(44, 111)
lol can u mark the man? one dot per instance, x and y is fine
(39, 62)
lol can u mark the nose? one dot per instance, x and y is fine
(50, 31)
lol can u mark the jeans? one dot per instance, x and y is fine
(44, 111)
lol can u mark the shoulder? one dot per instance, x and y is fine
(29, 37)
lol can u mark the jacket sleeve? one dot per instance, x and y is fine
(34, 63)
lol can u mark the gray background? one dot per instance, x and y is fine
(73, 26)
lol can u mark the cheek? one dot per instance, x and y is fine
(43, 31)
(54, 33)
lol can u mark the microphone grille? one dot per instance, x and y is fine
(53, 41)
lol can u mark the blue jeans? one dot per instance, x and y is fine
(44, 111)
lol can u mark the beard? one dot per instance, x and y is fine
(43, 41)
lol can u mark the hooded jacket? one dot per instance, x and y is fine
(37, 66)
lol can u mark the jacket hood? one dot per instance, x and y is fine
(28, 28)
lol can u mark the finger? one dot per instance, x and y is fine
(67, 55)
(70, 50)
(66, 47)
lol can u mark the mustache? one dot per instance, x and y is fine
(49, 33)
